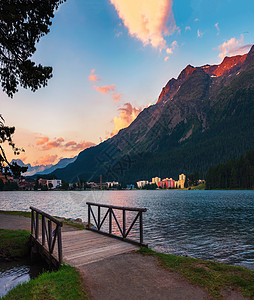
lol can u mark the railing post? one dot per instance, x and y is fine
(110, 220)
(32, 223)
(50, 235)
(43, 229)
(89, 215)
(124, 223)
(59, 240)
(37, 226)
(141, 227)
(99, 217)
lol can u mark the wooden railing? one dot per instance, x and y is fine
(47, 235)
(110, 213)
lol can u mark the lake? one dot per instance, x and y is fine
(214, 225)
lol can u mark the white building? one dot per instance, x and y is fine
(142, 183)
(56, 183)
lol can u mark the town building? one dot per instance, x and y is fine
(142, 183)
(156, 180)
(169, 183)
(54, 183)
(112, 184)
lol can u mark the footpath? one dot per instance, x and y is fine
(128, 276)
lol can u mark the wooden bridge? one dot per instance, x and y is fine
(81, 247)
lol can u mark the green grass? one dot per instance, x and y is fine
(201, 186)
(66, 283)
(26, 214)
(212, 276)
(14, 243)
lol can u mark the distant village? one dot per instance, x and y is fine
(7, 182)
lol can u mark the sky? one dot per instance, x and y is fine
(111, 59)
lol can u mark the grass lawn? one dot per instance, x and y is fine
(14, 243)
(66, 283)
(213, 276)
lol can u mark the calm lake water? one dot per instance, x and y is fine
(214, 225)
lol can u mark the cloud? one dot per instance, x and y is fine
(60, 140)
(46, 160)
(105, 89)
(217, 27)
(93, 76)
(42, 140)
(169, 51)
(74, 146)
(199, 33)
(233, 47)
(147, 20)
(68, 146)
(117, 97)
(187, 28)
(53, 144)
(128, 114)
(196, 20)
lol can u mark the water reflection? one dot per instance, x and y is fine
(18, 272)
(217, 225)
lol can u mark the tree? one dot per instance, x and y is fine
(22, 24)
(6, 136)
(50, 185)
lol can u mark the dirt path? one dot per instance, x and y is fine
(134, 276)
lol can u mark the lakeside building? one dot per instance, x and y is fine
(56, 183)
(156, 180)
(112, 184)
(168, 183)
(142, 183)
(130, 187)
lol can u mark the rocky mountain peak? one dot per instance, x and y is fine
(227, 66)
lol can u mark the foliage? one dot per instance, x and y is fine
(66, 283)
(8, 186)
(213, 276)
(22, 24)
(233, 174)
(192, 179)
(152, 186)
(6, 136)
(14, 243)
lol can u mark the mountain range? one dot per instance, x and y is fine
(43, 169)
(202, 118)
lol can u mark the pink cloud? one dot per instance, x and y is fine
(105, 89)
(42, 140)
(233, 47)
(74, 146)
(60, 140)
(148, 21)
(128, 114)
(46, 160)
(93, 76)
(117, 97)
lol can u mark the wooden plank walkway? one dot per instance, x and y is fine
(83, 247)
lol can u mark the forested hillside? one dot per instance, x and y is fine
(233, 174)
